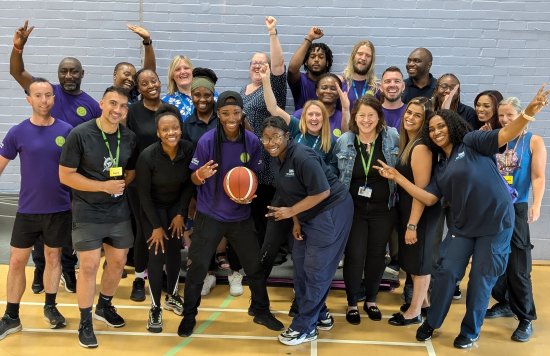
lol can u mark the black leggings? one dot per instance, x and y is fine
(140, 246)
(171, 258)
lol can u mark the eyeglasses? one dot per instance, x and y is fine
(445, 86)
(257, 64)
(275, 139)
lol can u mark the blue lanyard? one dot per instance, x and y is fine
(314, 143)
(355, 90)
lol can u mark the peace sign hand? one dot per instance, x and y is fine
(22, 35)
(539, 102)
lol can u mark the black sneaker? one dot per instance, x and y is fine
(68, 278)
(292, 338)
(293, 309)
(458, 293)
(86, 336)
(463, 342)
(326, 323)
(424, 332)
(109, 316)
(269, 321)
(54, 317)
(9, 326)
(186, 327)
(38, 282)
(499, 310)
(174, 303)
(523, 332)
(138, 290)
(154, 324)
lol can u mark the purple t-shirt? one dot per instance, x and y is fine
(393, 116)
(211, 197)
(335, 122)
(357, 89)
(74, 109)
(39, 148)
(302, 91)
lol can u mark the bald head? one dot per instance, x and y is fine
(70, 74)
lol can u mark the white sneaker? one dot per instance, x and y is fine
(209, 283)
(292, 338)
(235, 284)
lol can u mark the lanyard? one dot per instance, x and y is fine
(355, 89)
(366, 167)
(115, 160)
(314, 143)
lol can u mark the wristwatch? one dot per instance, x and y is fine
(411, 227)
(147, 43)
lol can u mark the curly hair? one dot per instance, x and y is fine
(457, 128)
(326, 49)
(496, 97)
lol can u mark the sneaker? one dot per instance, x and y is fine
(499, 310)
(326, 323)
(174, 303)
(463, 342)
(291, 338)
(86, 336)
(293, 311)
(138, 290)
(340, 263)
(38, 282)
(109, 316)
(269, 321)
(523, 332)
(424, 332)
(9, 326)
(68, 278)
(154, 324)
(458, 293)
(209, 283)
(392, 268)
(54, 317)
(235, 284)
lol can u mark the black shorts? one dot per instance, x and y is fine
(91, 236)
(54, 228)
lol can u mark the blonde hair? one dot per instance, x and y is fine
(406, 145)
(348, 71)
(325, 130)
(172, 86)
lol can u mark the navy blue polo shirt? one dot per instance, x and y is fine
(412, 91)
(194, 128)
(470, 181)
(303, 173)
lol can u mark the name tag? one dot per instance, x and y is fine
(509, 179)
(365, 191)
(115, 172)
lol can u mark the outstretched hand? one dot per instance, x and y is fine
(386, 171)
(140, 31)
(449, 98)
(280, 213)
(22, 35)
(539, 102)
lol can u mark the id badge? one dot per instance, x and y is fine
(115, 172)
(365, 191)
(509, 179)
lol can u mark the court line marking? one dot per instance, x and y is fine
(313, 349)
(7, 216)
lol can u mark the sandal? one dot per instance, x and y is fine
(222, 261)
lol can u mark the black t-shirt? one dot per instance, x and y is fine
(142, 122)
(163, 182)
(378, 184)
(194, 128)
(304, 173)
(86, 151)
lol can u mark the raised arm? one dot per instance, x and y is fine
(149, 59)
(275, 49)
(269, 96)
(344, 100)
(513, 129)
(538, 179)
(418, 193)
(298, 57)
(17, 67)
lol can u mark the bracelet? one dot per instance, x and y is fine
(199, 177)
(147, 43)
(527, 117)
(273, 34)
(17, 49)
(307, 39)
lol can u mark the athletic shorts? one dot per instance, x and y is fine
(91, 236)
(54, 228)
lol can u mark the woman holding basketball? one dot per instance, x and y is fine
(321, 210)
(227, 146)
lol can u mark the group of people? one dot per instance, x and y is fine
(359, 161)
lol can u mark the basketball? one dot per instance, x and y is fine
(240, 183)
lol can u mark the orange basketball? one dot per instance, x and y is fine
(240, 183)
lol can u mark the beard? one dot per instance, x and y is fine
(360, 71)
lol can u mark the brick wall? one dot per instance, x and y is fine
(502, 45)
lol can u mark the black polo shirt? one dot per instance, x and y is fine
(303, 173)
(194, 128)
(412, 91)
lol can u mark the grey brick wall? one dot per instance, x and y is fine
(502, 45)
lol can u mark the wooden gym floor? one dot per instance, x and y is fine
(224, 328)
